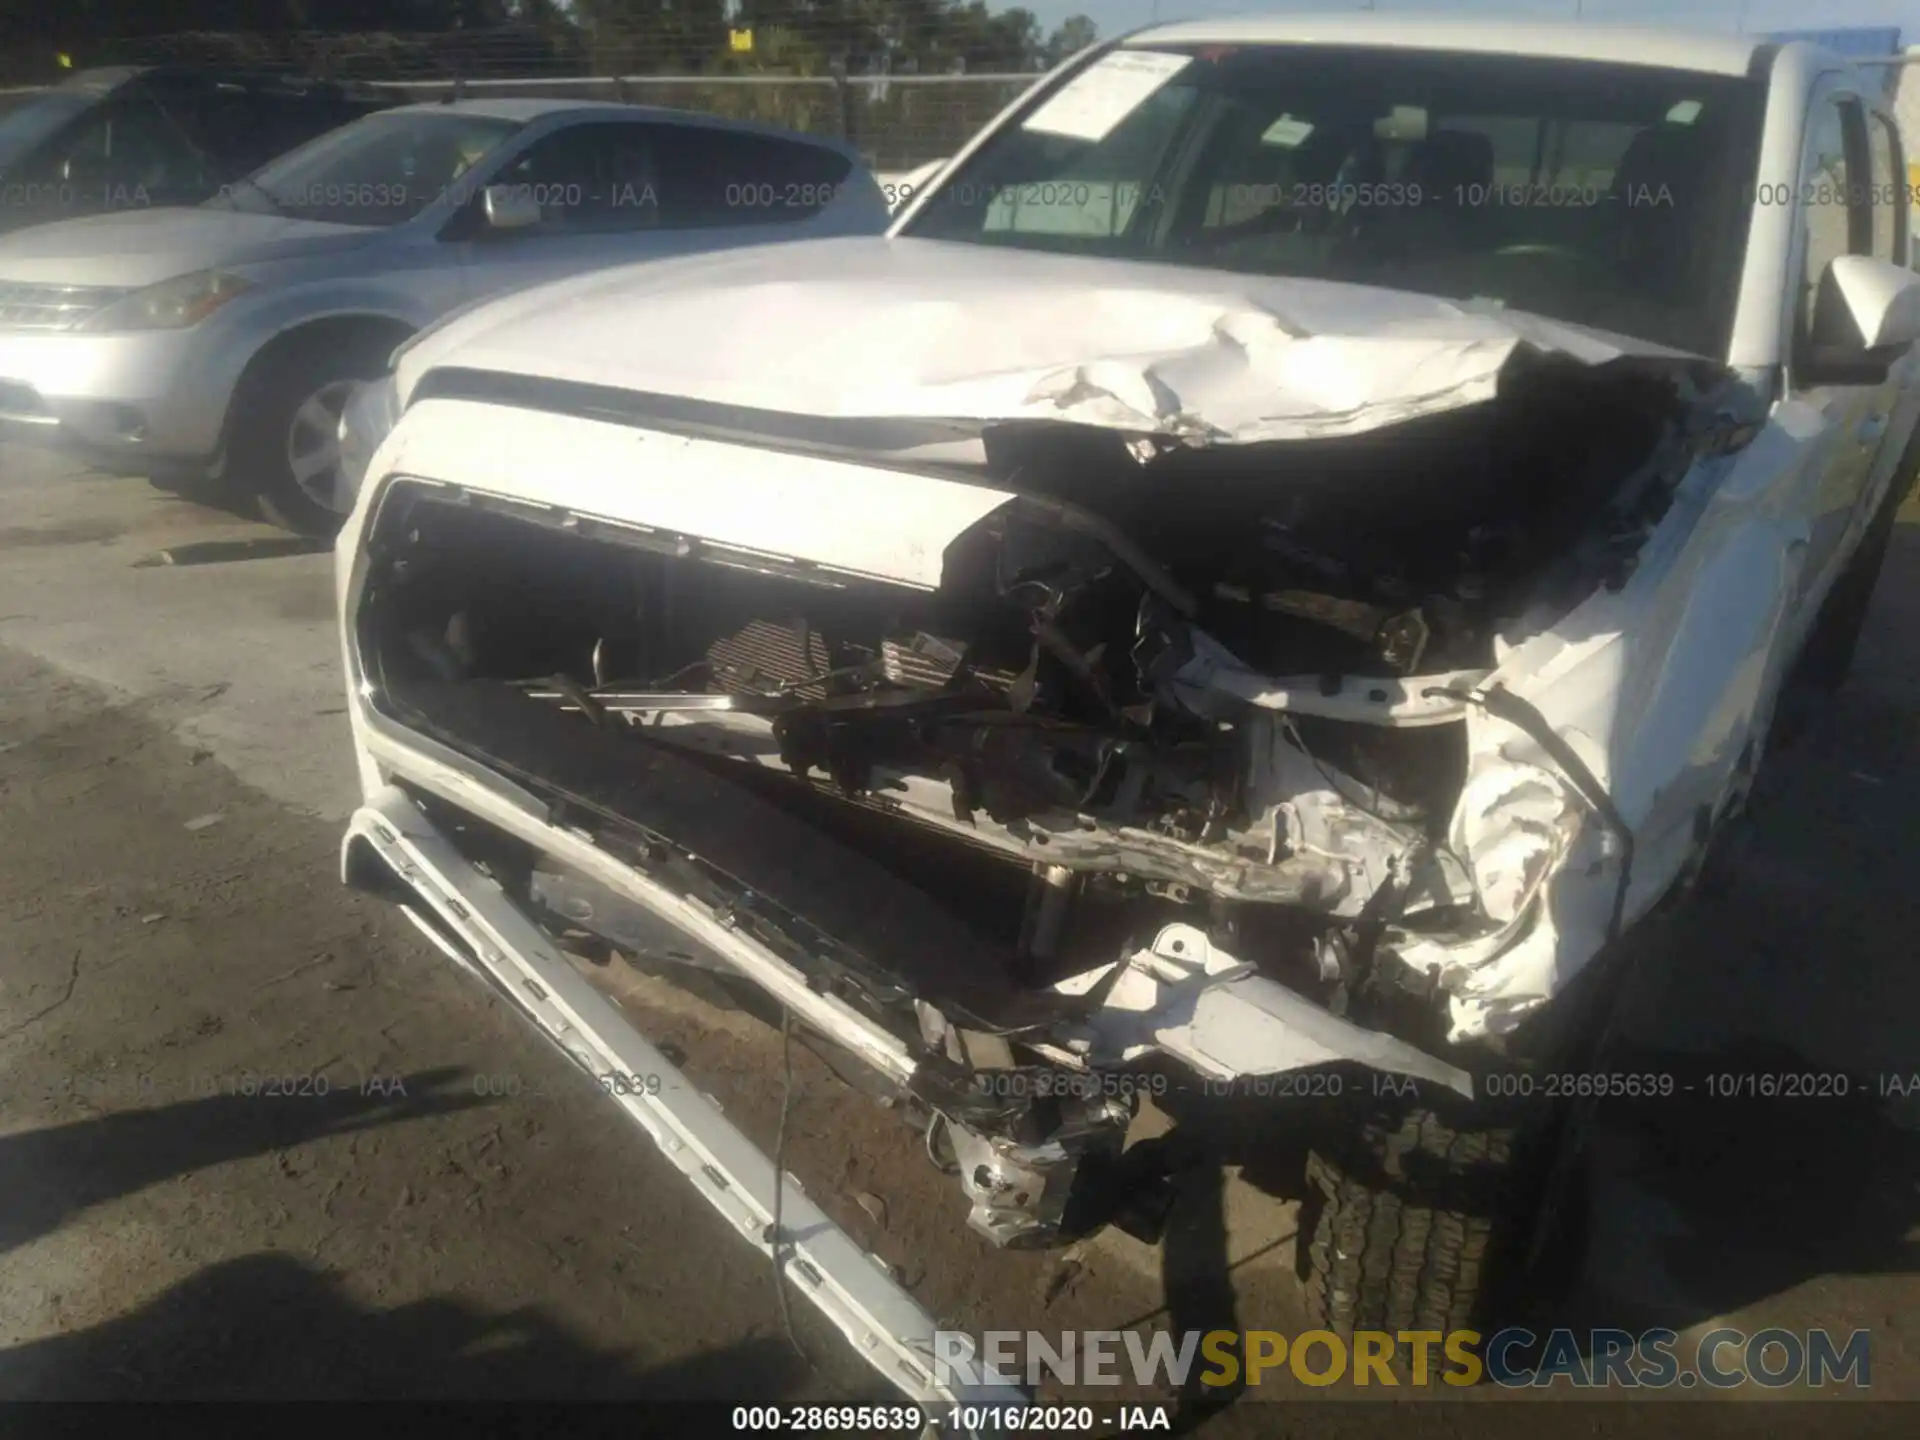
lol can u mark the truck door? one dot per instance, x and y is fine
(1890, 194)
(1834, 218)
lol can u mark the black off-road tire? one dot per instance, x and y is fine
(1416, 1221)
(264, 410)
(1435, 1212)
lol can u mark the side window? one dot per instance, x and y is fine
(219, 120)
(712, 178)
(246, 129)
(1091, 191)
(127, 152)
(1835, 220)
(1564, 155)
(1889, 192)
(593, 178)
(1260, 169)
(1518, 144)
(1584, 155)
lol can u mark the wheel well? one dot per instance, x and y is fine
(334, 330)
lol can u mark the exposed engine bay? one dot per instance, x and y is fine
(1215, 693)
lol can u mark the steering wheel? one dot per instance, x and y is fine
(1545, 250)
(1579, 262)
(1360, 168)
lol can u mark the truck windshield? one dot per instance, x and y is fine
(1603, 194)
(382, 170)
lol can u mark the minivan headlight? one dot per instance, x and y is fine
(172, 304)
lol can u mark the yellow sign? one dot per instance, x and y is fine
(66, 61)
(740, 41)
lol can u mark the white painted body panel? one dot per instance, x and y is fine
(1665, 47)
(1664, 687)
(901, 327)
(1661, 687)
(790, 507)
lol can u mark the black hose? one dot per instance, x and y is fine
(1503, 704)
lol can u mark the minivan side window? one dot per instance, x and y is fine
(126, 151)
(713, 178)
(244, 127)
(595, 177)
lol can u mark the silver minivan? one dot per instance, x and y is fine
(222, 340)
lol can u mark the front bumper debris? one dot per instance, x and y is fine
(470, 918)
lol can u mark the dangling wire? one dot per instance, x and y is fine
(776, 1231)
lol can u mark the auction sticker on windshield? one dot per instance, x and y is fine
(1105, 93)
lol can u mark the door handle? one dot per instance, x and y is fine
(1871, 429)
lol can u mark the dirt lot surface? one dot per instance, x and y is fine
(173, 771)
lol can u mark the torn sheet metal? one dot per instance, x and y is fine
(1662, 687)
(1211, 680)
(1659, 685)
(1194, 1000)
(897, 327)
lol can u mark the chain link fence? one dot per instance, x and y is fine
(898, 121)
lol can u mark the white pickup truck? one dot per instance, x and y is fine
(1263, 579)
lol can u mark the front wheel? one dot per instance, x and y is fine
(1433, 1213)
(1414, 1220)
(286, 448)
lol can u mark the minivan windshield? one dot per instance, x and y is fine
(382, 170)
(1603, 194)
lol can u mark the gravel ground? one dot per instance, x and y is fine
(173, 769)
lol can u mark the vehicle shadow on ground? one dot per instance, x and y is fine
(1796, 974)
(1703, 1204)
(1269, 1147)
(54, 1173)
(268, 1327)
(1787, 1148)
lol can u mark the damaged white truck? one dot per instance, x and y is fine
(1278, 562)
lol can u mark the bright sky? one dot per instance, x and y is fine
(1115, 16)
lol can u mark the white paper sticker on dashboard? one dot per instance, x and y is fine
(1105, 93)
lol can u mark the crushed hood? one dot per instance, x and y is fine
(132, 248)
(896, 327)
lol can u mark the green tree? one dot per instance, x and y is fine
(1076, 32)
(777, 50)
(636, 36)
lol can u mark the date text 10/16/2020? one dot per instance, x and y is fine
(146, 1087)
(959, 1419)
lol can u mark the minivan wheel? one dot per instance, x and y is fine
(286, 443)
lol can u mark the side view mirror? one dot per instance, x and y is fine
(512, 207)
(1866, 313)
